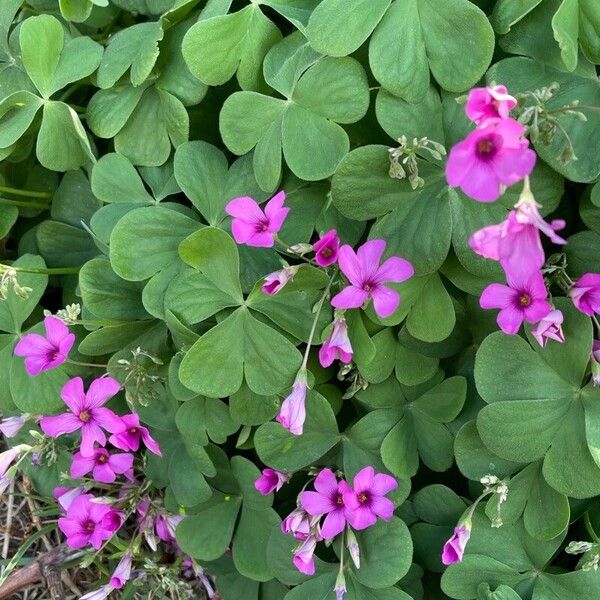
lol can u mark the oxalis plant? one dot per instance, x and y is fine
(299, 298)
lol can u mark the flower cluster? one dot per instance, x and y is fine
(332, 508)
(365, 279)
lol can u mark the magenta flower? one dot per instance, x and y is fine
(489, 103)
(522, 300)
(45, 353)
(165, 527)
(122, 573)
(454, 548)
(585, 293)
(10, 426)
(253, 226)
(490, 158)
(100, 594)
(84, 523)
(326, 249)
(337, 345)
(366, 500)
(549, 328)
(292, 413)
(596, 362)
(328, 499)
(104, 466)
(368, 278)
(270, 481)
(274, 282)
(86, 412)
(304, 559)
(130, 435)
(298, 523)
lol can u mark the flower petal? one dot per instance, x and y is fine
(333, 524)
(394, 269)
(60, 424)
(350, 297)
(73, 394)
(385, 300)
(316, 504)
(496, 295)
(350, 265)
(101, 390)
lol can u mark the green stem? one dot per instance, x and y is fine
(85, 364)
(29, 193)
(100, 323)
(53, 271)
(313, 329)
(589, 527)
(24, 204)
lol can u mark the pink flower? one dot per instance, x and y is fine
(45, 353)
(328, 499)
(337, 345)
(524, 299)
(274, 282)
(515, 242)
(368, 278)
(326, 249)
(131, 433)
(84, 523)
(113, 520)
(489, 158)
(65, 495)
(292, 413)
(596, 363)
(86, 412)
(270, 481)
(454, 548)
(549, 328)
(585, 293)
(367, 500)
(104, 466)
(12, 425)
(304, 559)
(122, 573)
(8, 457)
(100, 594)
(298, 523)
(253, 226)
(489, 103)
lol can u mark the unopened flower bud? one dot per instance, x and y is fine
(578, 547)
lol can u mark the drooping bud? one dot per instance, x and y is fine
(352, 545)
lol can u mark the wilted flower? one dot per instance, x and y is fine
(253, 226)
(585, 293)
(368, 278)
(292, 413)
(45, 353)
(298, 523)
(274, 282)
(86, 412)
(549, 328)
(489, 159)
(454, 548)
(270, 481)
(12, 425)
(326, 249)
(337, 344)
(122, 573)
(304, 559)
(488, 103)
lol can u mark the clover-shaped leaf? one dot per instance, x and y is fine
(306, 125)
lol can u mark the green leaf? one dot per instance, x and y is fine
(114, 179)
(338, 27)
(51, 61)
(62, 142)
(187, 482)
(240, 346)
(135, 47)
(281, 450)
(63, 245)
(40, 394)
(17, 112)
(217, 48)
(146, 240)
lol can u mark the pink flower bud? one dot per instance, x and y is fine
(454, 548)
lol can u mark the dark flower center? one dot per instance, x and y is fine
(84, 416)
(363, 497)
(367, 287)
(326, 252)
(89, 526)
(339, 500)
(488, 146)
(525, 300)
(262, 226)
(102, 459)
(133, 430)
